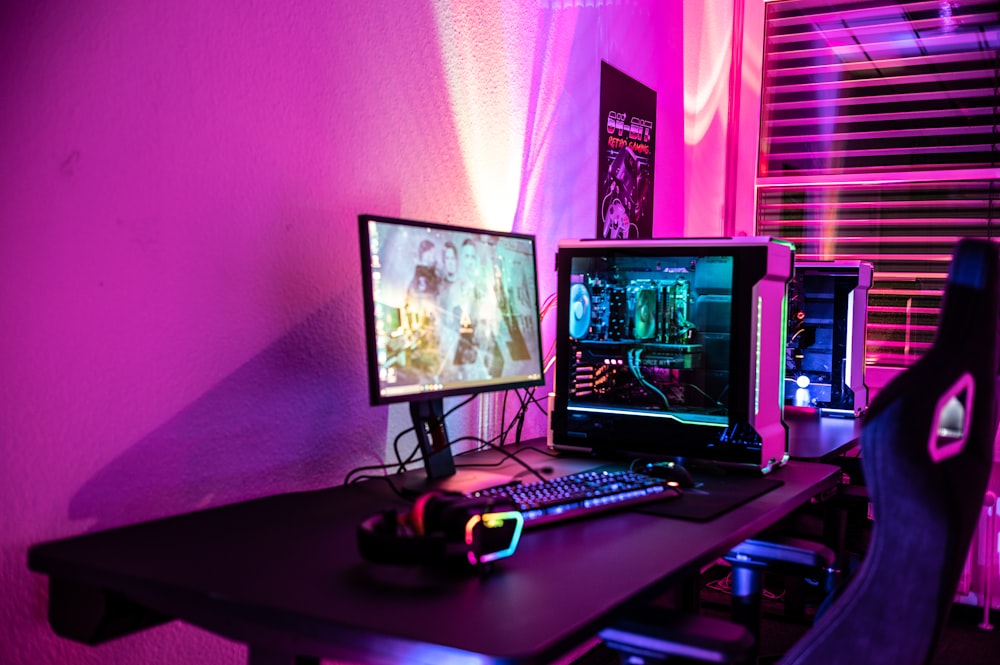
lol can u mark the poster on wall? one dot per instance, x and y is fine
(625, 157)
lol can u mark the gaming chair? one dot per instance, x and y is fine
(927, 452)
(927, 445)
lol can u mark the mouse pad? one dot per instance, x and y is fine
(713, 496)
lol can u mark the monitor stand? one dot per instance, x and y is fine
(439, 463)
(432, 436)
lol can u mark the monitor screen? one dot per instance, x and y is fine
(448, 311)
(672, 348)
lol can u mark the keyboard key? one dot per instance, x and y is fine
(580, 494)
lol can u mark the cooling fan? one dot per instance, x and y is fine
(579, 311)
(645, 314)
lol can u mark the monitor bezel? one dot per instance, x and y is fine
(376, 396)
(639, 435)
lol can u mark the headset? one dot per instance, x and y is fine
(443, 528)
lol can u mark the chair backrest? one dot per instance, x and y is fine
(927, 449)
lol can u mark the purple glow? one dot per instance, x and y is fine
(178, 260)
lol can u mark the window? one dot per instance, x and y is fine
(879, 140)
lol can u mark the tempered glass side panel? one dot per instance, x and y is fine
(671, 348)
(648, 334)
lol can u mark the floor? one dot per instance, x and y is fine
(964, 641)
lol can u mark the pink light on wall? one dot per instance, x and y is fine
(707, 52)
(489, 98)
(521, 84)
(178, 259)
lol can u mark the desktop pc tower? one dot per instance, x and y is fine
(672, 348)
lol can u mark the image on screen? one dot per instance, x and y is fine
(453, 310)
(649, 334)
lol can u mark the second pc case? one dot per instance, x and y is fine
(825, 352)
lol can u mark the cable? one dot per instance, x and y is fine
(633, 364)
(725, 585)
(526, 400)
(356, 474)
(509, 455)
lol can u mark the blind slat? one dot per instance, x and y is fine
(853, 91)
(906, 229)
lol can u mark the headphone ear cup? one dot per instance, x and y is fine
(428, 533)
(387, 537)
(449, 516)
(376, 535)
(444, 515)
(422, 516)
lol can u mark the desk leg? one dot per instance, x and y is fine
(264, 656)
(746, 599)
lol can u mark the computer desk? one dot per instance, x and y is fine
(282, 574)
(816, 437)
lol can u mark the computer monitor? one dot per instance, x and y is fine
(448, 311)
(827, 319)
(672, 348)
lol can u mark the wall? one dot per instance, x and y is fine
(178, 265)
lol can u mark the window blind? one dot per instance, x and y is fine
(906, 230)
(879, 141)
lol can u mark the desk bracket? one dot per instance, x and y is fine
(262, 656)
(91, 615)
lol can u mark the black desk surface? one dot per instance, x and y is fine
(821, 438)
(283, 574)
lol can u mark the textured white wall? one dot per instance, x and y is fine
(179, 183)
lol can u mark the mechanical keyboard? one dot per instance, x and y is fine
(580, 494)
